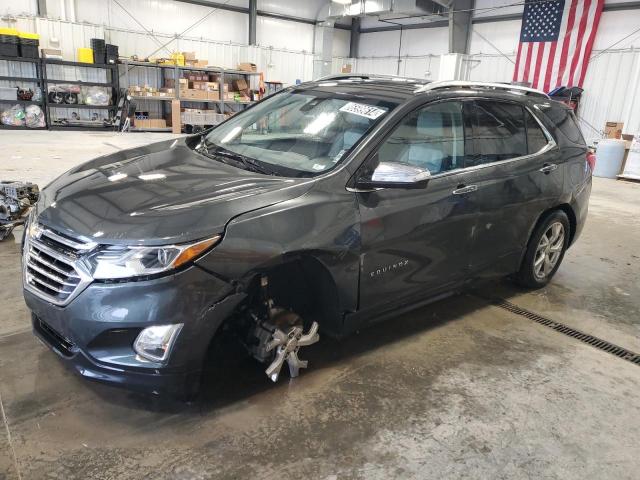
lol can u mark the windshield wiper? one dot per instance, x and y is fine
(248, 164)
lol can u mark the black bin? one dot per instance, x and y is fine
(29, 47)
(9, 46)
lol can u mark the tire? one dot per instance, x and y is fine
(545, 251)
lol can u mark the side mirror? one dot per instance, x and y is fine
(396, 175)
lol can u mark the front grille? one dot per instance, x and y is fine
(52, 269)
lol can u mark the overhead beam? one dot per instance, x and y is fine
(411, 26)
(259, 13)
(608, 7)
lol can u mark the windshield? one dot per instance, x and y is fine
(297, 133)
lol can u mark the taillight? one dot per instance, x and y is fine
(591, 160)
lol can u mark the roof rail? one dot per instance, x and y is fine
(467, 84)
(369, 76)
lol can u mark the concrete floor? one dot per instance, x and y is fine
(460, 389)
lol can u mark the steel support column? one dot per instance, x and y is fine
(42, 8)
(354, 44)
(323, 49)
(460, 17)
(253, 15)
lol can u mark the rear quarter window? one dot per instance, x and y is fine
(565, 120)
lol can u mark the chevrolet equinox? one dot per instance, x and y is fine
(327, 206)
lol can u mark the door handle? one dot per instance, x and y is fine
(548, 167)
(462, 189)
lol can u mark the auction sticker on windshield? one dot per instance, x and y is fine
(363, 110)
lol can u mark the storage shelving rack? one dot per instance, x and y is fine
(223, 105)
(157, 73)
(112, 73)
(37, 79)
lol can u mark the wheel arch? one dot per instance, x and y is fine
(303, 283)
(564, 207)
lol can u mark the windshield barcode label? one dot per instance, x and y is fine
(363, 110)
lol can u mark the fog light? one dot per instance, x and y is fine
(154, 343)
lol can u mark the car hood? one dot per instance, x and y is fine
(157, 194)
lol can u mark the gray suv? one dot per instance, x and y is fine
(327, 206)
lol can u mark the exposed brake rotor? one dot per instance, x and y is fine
(287, 346)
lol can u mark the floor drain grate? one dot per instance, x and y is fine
(571, 332)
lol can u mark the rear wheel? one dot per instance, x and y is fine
(545, 251)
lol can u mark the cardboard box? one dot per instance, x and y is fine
(150, 123)
(613, 129)
(206, 86)
(189, 55)
(194, 94)
(176, 126)
(171, 83)
(248, 67)
(197, 63)
(346, 68)
(240, 84)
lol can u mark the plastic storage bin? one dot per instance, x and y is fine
(29, 43)
(9, 42)
(610, 154)
(99, 50)
(85, 55)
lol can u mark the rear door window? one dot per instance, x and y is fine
(536, 139)
(566, 121)
(496, 131)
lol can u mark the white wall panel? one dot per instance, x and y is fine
(273, 32)
(503, 35)
(427, 41)
(18, 7)
(611, 92)
(295, 8)
(341, 42)
(426, 66)
(166, 16)
(491, 68)
(616, 25)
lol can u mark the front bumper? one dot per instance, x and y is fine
(94, 333)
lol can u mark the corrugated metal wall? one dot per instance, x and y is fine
(278, 64)
(611, 92)
(419, 66)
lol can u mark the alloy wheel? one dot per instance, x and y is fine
(549, 250)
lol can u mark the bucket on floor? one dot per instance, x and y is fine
(610, 154)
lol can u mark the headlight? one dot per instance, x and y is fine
(154, 343)
(122, 262)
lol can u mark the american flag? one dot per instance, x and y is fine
(556, 39)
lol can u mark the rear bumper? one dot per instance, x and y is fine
(94, 333)
(580, 206)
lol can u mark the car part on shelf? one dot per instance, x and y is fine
(56, 97)
(16, 199)
(25, 94)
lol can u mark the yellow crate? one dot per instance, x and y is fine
(85, 55)
(29, 36)
(178, 58)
